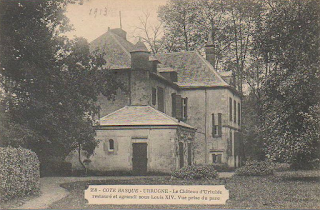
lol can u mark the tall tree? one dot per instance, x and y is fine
(50, 81)
(150, 34)
(289, 43)
(188, 23)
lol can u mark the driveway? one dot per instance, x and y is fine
(51, 190)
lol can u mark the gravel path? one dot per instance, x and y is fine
(51, 190)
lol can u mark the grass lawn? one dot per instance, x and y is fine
(300, 189)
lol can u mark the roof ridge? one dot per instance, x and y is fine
(112, 113)
(192, 51)
(212, 69)
(99, 37)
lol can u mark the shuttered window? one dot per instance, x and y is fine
(185, 108)
(239, 114)
(219, 124)
(234, 111)
(160, 99)
(214, 127)
(231, 145)
(230, 109)
(179, 107)
(174, 107)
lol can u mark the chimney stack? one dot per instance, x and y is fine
(210, 50)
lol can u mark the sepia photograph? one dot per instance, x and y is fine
(159, 104)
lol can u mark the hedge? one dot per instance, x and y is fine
(19, 173)
(195, 172)
(255, 168)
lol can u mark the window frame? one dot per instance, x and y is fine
(216, 158)
(154, 96)
(109, 145)
(184, 109)
(230, 109)
(235, 111)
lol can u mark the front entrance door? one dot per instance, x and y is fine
(139, 160)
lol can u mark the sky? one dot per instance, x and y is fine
(93, 17)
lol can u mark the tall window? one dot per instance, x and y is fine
(189, 154)
(231, 145)
(230, 109)
(184, 108)
(181, 154)
(111, 144)
(239, 114)
(174, 107)
(160, 99)
(214, 126)
(154, 96)
(217, 125)
(234, 111)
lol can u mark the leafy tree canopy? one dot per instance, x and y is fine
(50, 83)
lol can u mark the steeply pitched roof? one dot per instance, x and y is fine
(140, 47)
(116, 49)
(140, 116)
(193, 69)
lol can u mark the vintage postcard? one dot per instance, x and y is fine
(159, 104)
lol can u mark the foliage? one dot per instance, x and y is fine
(187, 25)
(55, 167)
(51, 83)
(291, 128)
(222, 167)
(195, 172)
(255, 168)
(19, 173)
(251, 128)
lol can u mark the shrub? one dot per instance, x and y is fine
(222, 167)
(195, 172)
(255, 168)
(55, 168)
(19, 173)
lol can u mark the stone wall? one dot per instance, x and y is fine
(161, 150)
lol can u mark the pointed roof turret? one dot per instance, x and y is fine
(140, 47)
(210, 39)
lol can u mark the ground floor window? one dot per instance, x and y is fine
(189, 154)
(181, 154)
(216, 158)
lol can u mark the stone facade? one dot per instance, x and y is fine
(187, 88)
(163, 154)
